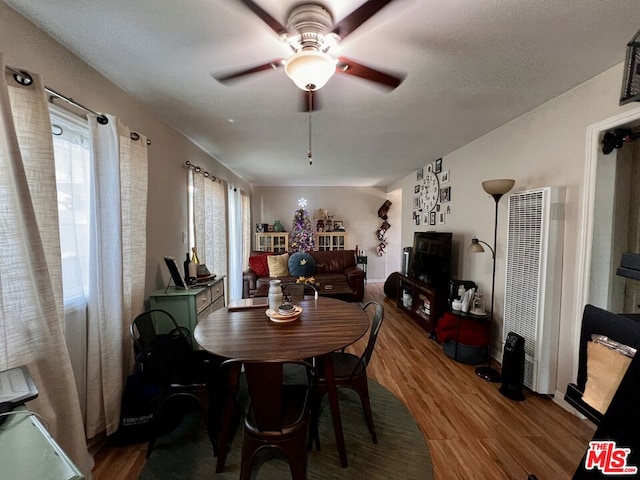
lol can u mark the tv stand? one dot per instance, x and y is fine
(423, 302)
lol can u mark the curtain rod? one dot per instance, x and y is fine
(198, 169)
(23, 78)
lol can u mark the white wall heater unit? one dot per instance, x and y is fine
(534, 280)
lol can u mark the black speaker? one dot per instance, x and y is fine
(513, 367)
(406, 260)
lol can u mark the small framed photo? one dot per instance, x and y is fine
(430, 168)
(416, 189)
(417, 219)
(432, 218)
(441, 216)
(438, 167)
(416, 203)
(419, 175)
(175, 273)
(444, 177)
(338, 225)
(445, 194)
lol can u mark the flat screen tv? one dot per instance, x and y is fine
(431, 257)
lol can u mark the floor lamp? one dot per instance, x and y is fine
(495, 188)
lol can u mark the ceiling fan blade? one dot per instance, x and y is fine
(349, 67)
(304, 101)
(273, 65)
(360, 15)
(275, 25)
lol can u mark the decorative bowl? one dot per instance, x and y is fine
(277, 317)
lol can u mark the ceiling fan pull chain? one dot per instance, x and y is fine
(310, 154)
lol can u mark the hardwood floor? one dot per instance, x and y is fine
(472, 431)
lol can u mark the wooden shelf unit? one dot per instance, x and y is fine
(326, 241)
(277, 242)
(427, 303)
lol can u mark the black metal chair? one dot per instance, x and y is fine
(350, 372)
(164, 357)
(278, 412)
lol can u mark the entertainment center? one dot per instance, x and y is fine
(423, 290)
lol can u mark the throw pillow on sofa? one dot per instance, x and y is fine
(302, 264)
(278, 265)
(258, 264)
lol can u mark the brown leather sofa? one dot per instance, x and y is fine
(331, 266)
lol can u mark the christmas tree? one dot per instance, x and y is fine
(301, 238)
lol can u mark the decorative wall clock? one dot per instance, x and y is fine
(431, 192)
(430, 200)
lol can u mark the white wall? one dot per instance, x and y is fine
(543, 147)
(25, 46)
(357, 207)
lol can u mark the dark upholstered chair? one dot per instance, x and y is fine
(350, 372)
(277, 415)
(165, 358)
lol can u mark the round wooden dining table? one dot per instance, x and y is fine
(325, 325)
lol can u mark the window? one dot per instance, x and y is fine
(73, 174)
(207, 221)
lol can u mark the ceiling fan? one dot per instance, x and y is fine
(311, 33)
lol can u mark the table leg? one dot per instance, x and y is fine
(227, 415)
(332, 393)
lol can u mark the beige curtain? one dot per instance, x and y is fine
(210, 222)
(246, 229)
(31, 307)
(117, 266)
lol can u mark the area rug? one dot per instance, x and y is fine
(401, 452)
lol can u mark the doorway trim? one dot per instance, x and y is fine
(585, 240)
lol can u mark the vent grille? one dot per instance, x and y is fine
(522, 279)
(533, 277)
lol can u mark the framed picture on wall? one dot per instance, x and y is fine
(432, 218)
(444, 177)
(445, 194)
(438, 167)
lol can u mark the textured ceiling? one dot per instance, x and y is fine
(470, 66)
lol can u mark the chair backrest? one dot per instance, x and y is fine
(162, 349)
(146, 327)
(376, 323)
(266, 384)
(297, 291)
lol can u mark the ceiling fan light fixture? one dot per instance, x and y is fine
(310, 69)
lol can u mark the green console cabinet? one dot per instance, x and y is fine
(187, 306)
